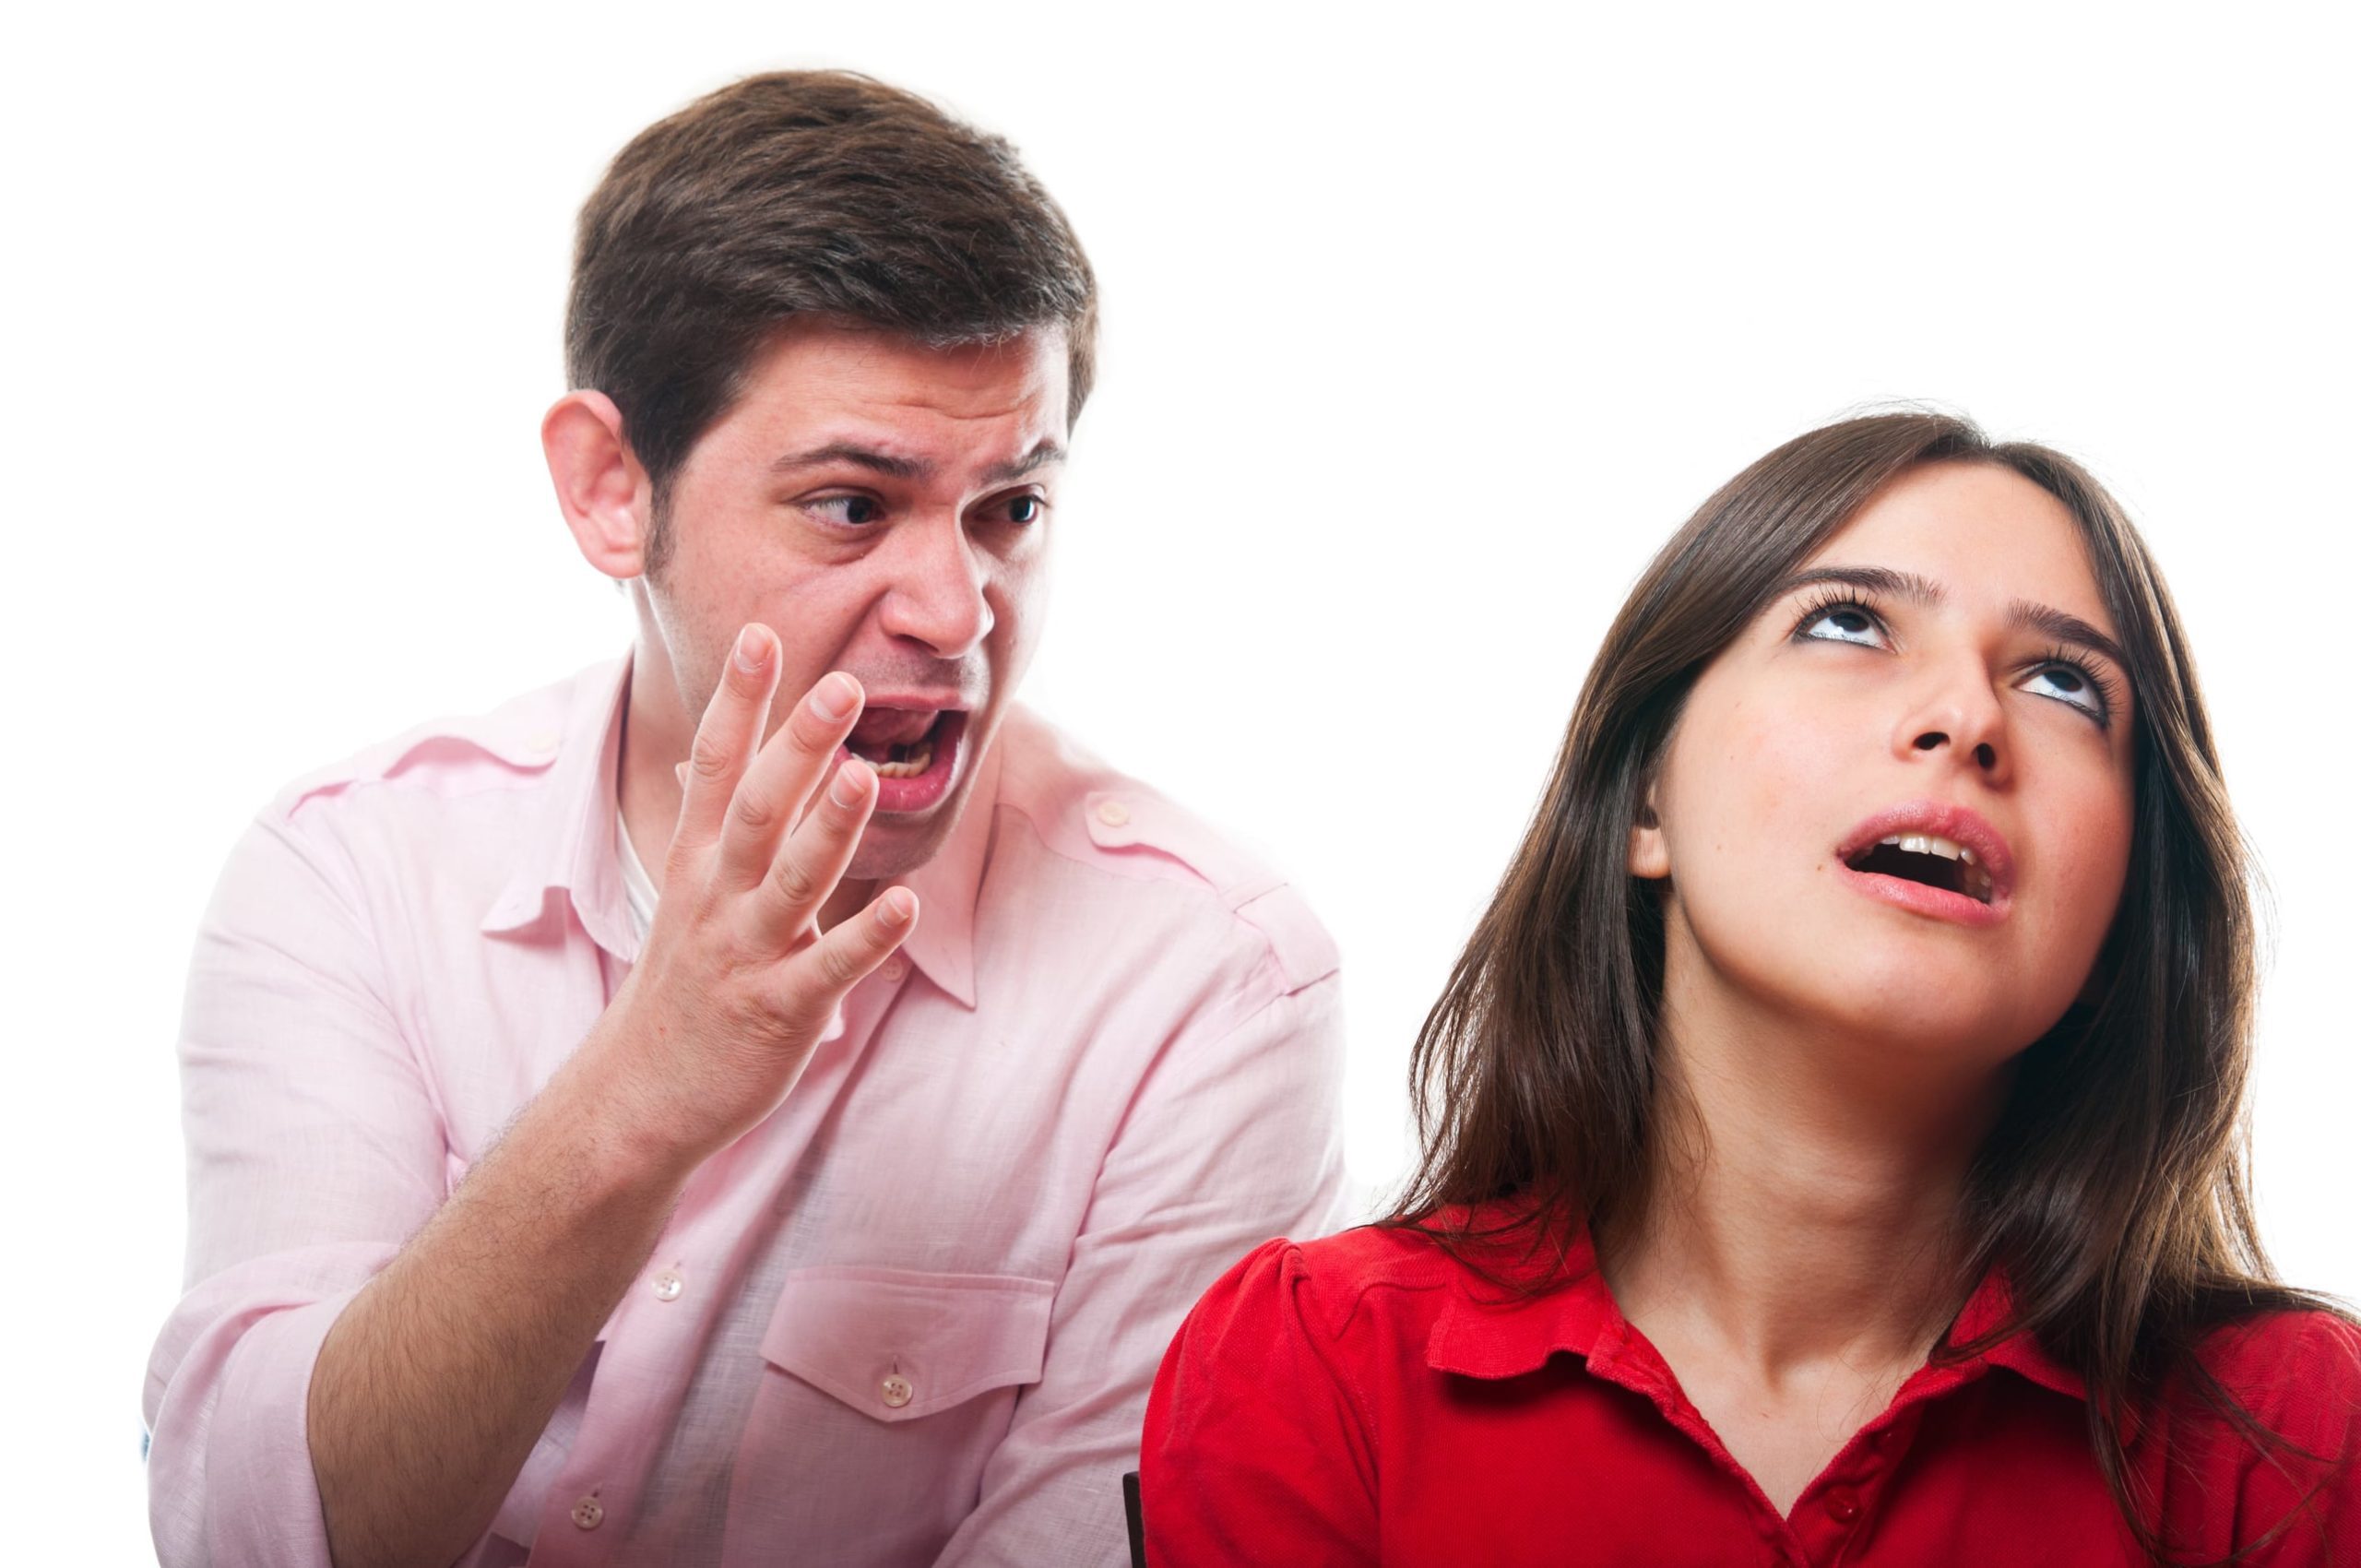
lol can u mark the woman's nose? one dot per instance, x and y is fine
(1960, 717)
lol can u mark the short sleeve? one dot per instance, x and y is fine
(2290, 1491)
(1256, 1448)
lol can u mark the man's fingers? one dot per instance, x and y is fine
(813, 860)
(727, 736)
(835, 963)
(781, 777)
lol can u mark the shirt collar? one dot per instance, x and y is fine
(570, 850)
(1500, 1329)
(948, 886)
(1993, 1304)
(1536, 1303)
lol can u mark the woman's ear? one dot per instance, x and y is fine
(601, 486)
(1647, 857)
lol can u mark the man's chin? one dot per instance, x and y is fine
(891, 850)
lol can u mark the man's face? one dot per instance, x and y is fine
(884, 508)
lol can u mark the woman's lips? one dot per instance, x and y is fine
(1985, 853)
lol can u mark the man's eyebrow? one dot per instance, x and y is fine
(867, 457)
(1043, 453)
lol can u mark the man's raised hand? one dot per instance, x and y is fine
(737, 982)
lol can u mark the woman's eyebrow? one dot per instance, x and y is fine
(2065, 628)
(1880, 580)
(1886, 583)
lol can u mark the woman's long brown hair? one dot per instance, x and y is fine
(2113, 1190)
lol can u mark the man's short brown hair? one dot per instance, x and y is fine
(796, 193)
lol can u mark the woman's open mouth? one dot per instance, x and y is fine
(1926, 858)
(1932, 858)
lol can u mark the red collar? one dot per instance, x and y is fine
(1547, 1301)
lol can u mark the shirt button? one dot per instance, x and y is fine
(545, 740)
(897, 969)
(1844, 1504)
(1114, 814)
(586, 1513)
(895, 1391)
(668, 1286)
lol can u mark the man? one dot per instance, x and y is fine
(835, 1206)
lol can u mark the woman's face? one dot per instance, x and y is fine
(1898, 808)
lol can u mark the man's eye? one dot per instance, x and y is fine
(1024, 509)
(1844, 623)
(853, 511)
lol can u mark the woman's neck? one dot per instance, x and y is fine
(1803, 1201)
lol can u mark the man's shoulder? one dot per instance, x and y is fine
(1090, 816)
(513, 745)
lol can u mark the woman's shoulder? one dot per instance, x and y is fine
(1332, 1280)
(2302, 1364)
(1395, 1274)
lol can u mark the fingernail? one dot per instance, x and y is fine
(834, 698)
(851, 781)
(680, 772)
(752, 649)
(897, 907)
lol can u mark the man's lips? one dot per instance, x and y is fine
(1932, 858)
(916, 769)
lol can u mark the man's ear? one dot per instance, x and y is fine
(601, 486)
(1647, 857)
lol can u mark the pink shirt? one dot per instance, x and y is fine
(910, 1319)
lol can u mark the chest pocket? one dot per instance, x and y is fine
(897, 1344)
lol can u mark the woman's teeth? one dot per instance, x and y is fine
(1975, 882)
(1928, 844)
(915, 759)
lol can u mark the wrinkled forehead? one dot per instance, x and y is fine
(924, 410)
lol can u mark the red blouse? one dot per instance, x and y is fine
(1367, 1400)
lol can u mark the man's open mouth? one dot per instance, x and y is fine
(1930, 859)
(898, 742)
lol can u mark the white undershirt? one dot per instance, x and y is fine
(639, 888)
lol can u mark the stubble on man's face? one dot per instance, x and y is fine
(883, 507)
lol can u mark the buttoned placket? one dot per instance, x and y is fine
(1831, 1512)
(645, 1360)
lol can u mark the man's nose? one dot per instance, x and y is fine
(1956, 715)
(937, 595)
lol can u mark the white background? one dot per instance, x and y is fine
(1422, 329)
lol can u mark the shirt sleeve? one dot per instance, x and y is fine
(2296, 1496)
(1231, 1140)
(1255, 1451)
(314, 1148)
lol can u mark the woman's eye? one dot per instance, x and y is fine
(2066, 684)
(851, 511)
(1845, 623)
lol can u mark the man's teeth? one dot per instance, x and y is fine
(917, 760)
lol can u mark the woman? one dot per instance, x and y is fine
(1832, 1129)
